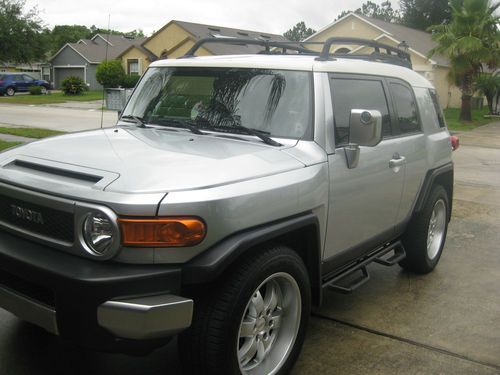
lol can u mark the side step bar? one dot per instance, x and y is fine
(355, 275)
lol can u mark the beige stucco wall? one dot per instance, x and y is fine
(449, 95)
(135, 53)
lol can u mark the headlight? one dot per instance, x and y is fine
(99, 233)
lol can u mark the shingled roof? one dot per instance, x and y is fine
(94, 50)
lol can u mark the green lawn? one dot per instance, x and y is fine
(452, 114)
(56, 97)
(4, 145)
(29, 132)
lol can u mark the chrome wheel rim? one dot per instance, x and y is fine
(437, 225)
(10, 91)
(43, 90)
(269, 325)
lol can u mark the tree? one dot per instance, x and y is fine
(21, 33)
(110, 73)
(383, 12)
(489, 86)
(420, 14)
(299, 32)
(62, 34)
(469, 41)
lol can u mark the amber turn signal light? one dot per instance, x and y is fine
(162, 232)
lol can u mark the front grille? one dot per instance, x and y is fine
(28, 289)
(37, 219)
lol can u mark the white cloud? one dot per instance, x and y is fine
(150, 15)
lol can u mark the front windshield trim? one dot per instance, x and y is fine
(304, 108)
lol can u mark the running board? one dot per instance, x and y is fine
(355, 275)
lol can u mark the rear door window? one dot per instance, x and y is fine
(405, 107)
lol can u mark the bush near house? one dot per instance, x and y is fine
(35, 90)
(110, 73)
(129, 81)
(73, 85)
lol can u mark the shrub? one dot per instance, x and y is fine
(129, 81)
(73, 85)
(35, 90)
(110, 73)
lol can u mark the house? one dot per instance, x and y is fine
(435, 69)
(37, 70)
(177, 37)
(82, 58)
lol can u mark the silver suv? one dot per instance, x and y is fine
(231, 193)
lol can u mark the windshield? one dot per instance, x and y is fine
(276, 102)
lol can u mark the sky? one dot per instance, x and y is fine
(150, 15)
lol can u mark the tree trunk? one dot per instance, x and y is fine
(465, 110)
(467, 91)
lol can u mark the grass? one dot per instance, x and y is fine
(29, 132)
(452, 114)
(55, 97)
(4, 145)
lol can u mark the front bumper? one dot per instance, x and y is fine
(106, 306)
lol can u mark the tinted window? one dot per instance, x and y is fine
(437, 108)
(406, 108)
(357, 94)
(17, 78)
(28, 78)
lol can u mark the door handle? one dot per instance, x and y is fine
(398, 161)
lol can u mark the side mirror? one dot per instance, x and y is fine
(365, 127)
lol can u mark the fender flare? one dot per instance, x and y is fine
(210, 264)
(442, 175)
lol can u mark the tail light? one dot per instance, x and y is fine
(455, 143)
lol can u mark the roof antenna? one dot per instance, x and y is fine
(105, 60)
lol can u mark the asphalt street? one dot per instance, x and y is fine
(447, 322)
(72, 116)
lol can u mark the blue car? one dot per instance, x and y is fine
(10, 83)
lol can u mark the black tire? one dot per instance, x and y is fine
(211, 344)
(423, 246)
(10, 91)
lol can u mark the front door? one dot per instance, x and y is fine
(363, 201)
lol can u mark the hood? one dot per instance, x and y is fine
(150, 160)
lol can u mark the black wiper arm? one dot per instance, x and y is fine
(180, 124)
(138, 120)
(259, 133)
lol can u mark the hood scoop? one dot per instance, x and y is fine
(47, 170)
(43, 173)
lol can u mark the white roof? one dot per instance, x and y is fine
(303, 63)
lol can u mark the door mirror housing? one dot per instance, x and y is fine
(365, 127)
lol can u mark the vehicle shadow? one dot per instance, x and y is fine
(27, 349)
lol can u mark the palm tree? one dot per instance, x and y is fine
(469, 41)
(489, 86)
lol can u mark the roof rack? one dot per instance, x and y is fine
(381, 52)
(392, 55)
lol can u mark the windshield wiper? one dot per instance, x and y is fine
(139, 121)
(180, 124)
(259, 133)
(238, 128)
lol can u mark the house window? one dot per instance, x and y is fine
(133, 67)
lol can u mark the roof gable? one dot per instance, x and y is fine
(420, 42)
(196, 31)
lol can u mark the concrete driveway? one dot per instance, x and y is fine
(447, 322)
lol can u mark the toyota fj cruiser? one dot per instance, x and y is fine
(231, 193)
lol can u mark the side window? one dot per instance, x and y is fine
(406, 108)
(437, 108)
(17, 78)
(360, 93)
